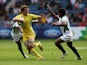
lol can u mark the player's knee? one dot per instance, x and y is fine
(29, 46)
(69, 44)
(56, 43)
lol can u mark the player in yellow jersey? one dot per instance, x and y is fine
(28, 33)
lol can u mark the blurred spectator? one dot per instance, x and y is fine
(4, 2)
(34, 1)
(13, 9)
(43, 19)
(79, 17)
(69, 5)
(77, 10)
(52, 3)
(41, 4)
(16, 10)
(10, 10)
(76, 5)
(49, 18)
(2, 9)
(81, 5)
(72, 2)
(6, 18)
(18, 3)
(84, 22)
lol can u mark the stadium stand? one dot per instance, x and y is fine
(76, 9)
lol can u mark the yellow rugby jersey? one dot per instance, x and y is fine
(27, 25)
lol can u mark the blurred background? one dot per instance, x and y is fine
(76, 11)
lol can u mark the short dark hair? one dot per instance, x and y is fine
(23, 6)
(62, 11)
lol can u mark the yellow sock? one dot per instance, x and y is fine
(36, 44)
(35, 52)
(39, 45)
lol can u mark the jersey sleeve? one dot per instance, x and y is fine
(64, 19)
(34, 16)
(19, 17)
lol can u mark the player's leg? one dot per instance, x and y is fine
(30, 45)
(16, 39)
(38, 44)
(58, 44)
(74, 50)
(37, 54)
(20, 49)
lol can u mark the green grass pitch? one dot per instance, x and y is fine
(9, 54)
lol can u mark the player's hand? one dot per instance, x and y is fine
(39, 16)
(54, 23)
(47, 5)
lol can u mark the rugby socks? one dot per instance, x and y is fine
(36, 44)
(20, 48)
(39, 45)
(35, 53)
(61, 48)
(73, 49)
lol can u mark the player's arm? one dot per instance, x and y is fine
(37, 19)
(59, 24)
(18, 19)
(54, 15)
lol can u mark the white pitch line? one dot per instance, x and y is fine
(82, 48)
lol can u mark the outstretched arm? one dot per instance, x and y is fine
(59, 24)
(54, 15)
(18, 19)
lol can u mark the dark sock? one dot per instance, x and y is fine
(73, 49)
(61, 48)
(20, 48)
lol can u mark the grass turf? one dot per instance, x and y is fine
(9, 54)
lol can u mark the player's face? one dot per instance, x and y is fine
(26, 10)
